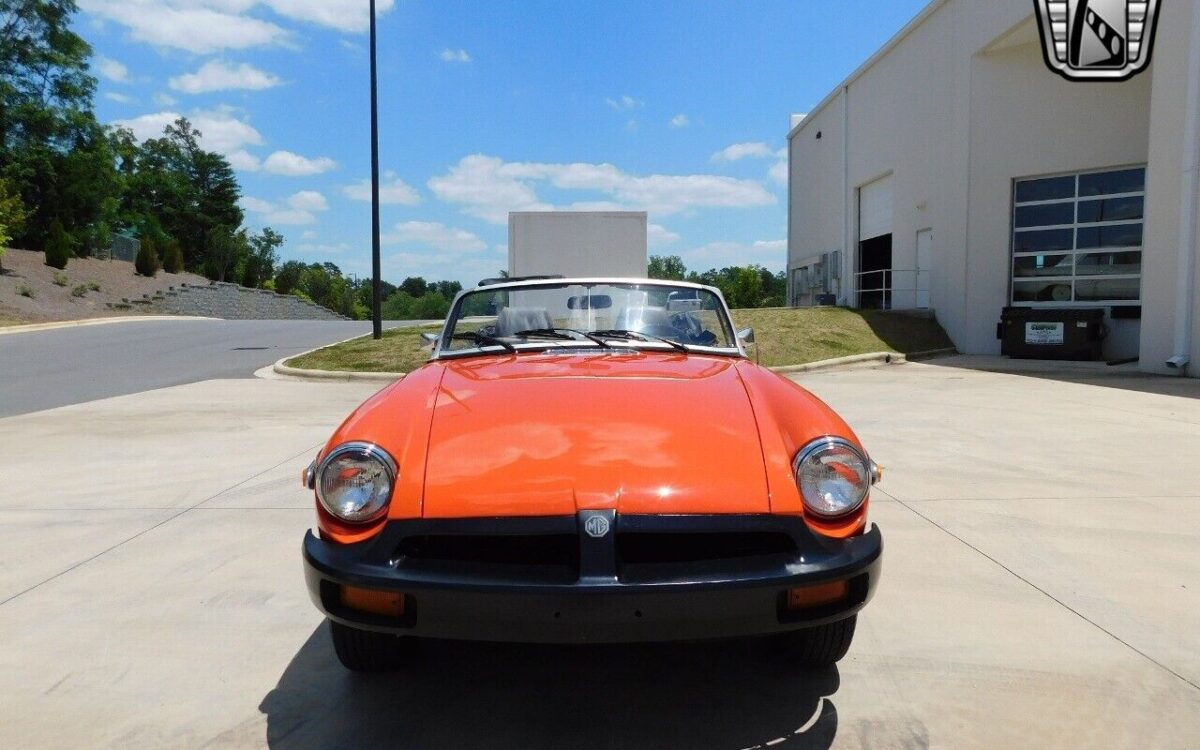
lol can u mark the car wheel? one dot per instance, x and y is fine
(368, 651)
(823, 645)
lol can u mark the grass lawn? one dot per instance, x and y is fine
(785, 337)
(797, 337)
(398, 351)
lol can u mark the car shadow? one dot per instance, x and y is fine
(723, 696)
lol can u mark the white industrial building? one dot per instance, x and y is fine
(577, 243)
(955, 171)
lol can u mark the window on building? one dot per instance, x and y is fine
(1077, 239)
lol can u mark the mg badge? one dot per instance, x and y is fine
(1097, 40)
(596, 526)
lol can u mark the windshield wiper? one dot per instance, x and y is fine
(482, 339)
(564, 334)
(639, 336)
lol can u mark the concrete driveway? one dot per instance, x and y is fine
(1042, 587)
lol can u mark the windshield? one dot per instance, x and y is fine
(592, 315)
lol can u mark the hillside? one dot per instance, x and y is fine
(116, 279)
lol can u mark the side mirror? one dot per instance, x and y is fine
(430, 338)
(746, 335)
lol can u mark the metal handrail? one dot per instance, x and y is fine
(888, 291)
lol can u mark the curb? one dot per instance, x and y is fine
(33, 327)
(882, 358)
(279, 368)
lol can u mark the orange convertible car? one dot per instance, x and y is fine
(591, 460)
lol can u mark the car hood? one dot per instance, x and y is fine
(552, 435)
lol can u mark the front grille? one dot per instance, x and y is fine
(657, 548)
(665, 556)
(545, 557)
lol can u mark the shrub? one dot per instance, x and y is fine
(58, 246)
(60, 279)
(80, 291)
(93, 286)
(173, 257)
(146, 263)
(25, 291)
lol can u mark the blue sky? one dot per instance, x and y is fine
(677, 108)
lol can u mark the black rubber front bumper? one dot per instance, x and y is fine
(547, 580)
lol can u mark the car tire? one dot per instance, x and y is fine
(823, 645)
(368, 651)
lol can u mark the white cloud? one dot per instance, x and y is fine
(489, 187)
(294, 165)
(680, 121)
(343, 15)
(657, 234)
(736, 151)
(198, 26)
(308, 235)
(112, 70)
(454, 55)
(256, 205)
(217, 75)
(434, 234)
(779, 172)
(768, 253)
(244, 161)
(118, 97)
(308, 200)
(392, 191)
(299, 208)
(624, 103)
(165, 100)
(206, 26)
(220, 130)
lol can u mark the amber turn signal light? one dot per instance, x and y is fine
(386, 603)
(814, 596)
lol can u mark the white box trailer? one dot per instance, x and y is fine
(577, 243)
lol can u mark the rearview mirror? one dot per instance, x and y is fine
(746, 335)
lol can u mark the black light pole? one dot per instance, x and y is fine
(376, 284)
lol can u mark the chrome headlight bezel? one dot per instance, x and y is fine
(365, 452)
(869, 471)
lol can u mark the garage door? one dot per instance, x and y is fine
(875, 209)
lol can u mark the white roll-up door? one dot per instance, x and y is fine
(875, 209)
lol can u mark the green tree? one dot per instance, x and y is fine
(172, 257)
(53, 151)
(288, 276)
(414, 286)
(317, 283)
(261, 258)
(12, 217)
(58, 246)
(146, 262)
(666, 267)
(225, 251)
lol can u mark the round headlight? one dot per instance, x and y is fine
(833, 476)
(355, 482)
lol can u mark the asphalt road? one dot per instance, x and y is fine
(46, 369)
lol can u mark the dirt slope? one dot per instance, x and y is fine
(24, 268)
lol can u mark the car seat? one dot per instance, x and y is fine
(513, 320)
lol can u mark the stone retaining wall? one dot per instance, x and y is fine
(229, 301)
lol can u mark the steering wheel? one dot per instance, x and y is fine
(687, 325)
